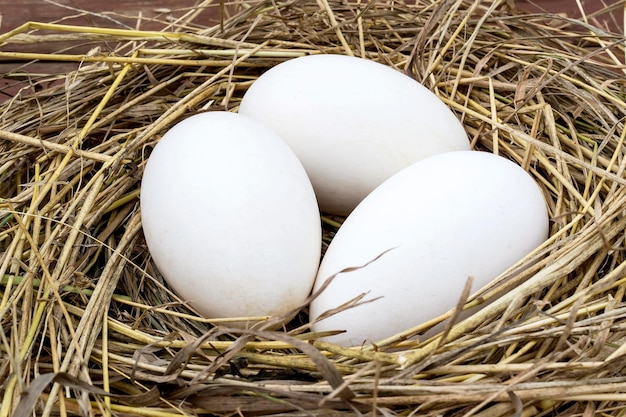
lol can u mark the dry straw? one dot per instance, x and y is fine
(89, 327)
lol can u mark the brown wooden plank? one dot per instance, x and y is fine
(612, 20)
(143, 14)
(155, 14)
(109, 13)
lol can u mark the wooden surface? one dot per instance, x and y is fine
(612, 20)
(116, 12)
(143, 14)
(156, 14)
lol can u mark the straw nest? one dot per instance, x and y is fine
(89, 327)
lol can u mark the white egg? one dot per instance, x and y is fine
(443, 219)
(230, 217)
(352, 122)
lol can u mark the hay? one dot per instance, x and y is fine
(84, 312)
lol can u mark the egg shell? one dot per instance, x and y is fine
(230, 217)
(352, 122)
(442, 220)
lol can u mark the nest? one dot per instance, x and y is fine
(89, 326)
